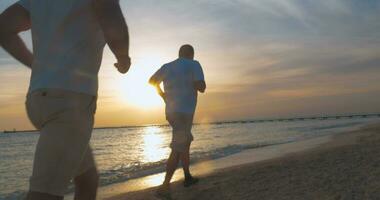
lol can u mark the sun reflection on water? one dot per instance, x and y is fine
(153, 145)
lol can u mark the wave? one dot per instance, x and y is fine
(325, 127)
(137, 170)
(17, 195)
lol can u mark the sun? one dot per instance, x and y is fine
(134, 89)
(139, 94)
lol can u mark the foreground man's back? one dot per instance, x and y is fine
(68, 44)
(68, 40)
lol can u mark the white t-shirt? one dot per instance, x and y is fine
(178, 78)
(67, 45)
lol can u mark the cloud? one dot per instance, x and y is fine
(261, 57)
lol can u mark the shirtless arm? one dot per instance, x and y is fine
(14, 20)
(115, 31)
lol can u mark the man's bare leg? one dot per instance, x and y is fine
(185, 160)
(171, 166)
(86, 185)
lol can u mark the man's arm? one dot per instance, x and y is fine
(199, 78)
(115, 31)
(200, 86)
(156, 84)
(14, 20)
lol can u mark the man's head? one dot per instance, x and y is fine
(186, 51)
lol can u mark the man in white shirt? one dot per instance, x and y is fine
(68, 40)
(182, 79)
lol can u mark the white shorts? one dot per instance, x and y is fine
(65, 121)
(182, 136)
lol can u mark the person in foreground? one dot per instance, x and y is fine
(182, 79)
(68, 40)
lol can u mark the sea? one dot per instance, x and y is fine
(127, 153)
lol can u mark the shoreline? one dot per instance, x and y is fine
(228, 167)
(204, 168)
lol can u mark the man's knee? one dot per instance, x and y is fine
(86, 185)
(90, 177)
(95, 175)
(181, 147)
(174, 153)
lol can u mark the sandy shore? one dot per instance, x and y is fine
(346, 166)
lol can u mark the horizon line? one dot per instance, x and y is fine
(257, 120)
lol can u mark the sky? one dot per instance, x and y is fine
(261, 58)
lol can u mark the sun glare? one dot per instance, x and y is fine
(134, 88)
(152, 145)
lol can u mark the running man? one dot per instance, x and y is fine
(182, 79)
(68, 40)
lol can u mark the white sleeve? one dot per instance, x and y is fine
(25, 4)
(198, 73)
(159, 76)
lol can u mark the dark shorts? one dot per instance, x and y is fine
(182, 136)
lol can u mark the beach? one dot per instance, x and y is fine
(258, 100)
(340, 166)
(133, 158)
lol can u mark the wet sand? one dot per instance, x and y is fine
(342, 166)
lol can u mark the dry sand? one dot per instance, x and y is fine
(347, 167)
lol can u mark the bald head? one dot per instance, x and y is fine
(186, 51)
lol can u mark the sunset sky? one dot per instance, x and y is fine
(261, 58)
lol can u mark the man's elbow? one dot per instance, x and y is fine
(3, 33)
(152, 82)
(2, 37)
(13, 21)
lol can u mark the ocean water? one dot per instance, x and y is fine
(127, 153)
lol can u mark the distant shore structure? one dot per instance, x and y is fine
(290, 119)
(12, 131)
(327, 117)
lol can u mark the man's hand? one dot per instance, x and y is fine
(200, 86)
(123, 64)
